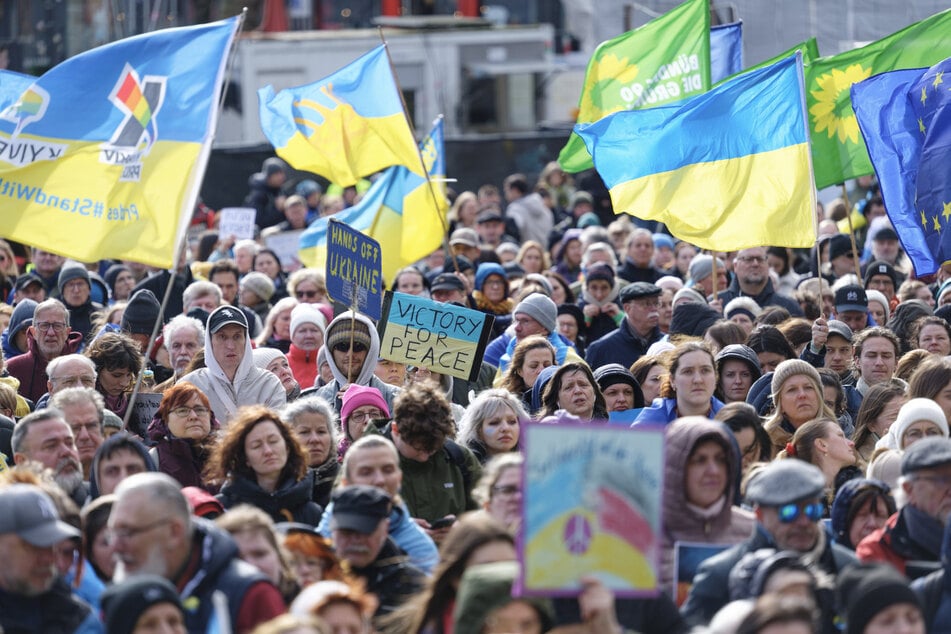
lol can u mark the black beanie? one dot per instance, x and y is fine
(865, 590)
(124, 603)
(141, 313)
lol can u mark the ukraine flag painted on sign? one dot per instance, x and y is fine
(397, 211)
(103, 156)
(726, 170)
(344, 126)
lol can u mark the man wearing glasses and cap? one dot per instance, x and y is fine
(230, 379)
(33, 596)
(787, 498)
(353, 347)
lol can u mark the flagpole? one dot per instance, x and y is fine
(848, 214)
(419, 153)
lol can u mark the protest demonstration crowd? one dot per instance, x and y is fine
(231, 445)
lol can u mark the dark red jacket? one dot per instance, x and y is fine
(892, 544)
(30, 367)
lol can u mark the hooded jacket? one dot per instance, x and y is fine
(366, 376)
(21, 319)
(683, 522)
(908, 535)
(664, 410)
(290, 502)
(251, 386)
(30, 368)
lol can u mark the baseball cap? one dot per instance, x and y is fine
(851, 297)
(28, 511)
(224, 315)
(360, 508)
(29, 278)
(447, 282)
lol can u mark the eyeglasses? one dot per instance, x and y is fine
(130, 532)
(647, 303)
(361, 417)
(344, 346)
(752, 259)
(66, 381)
(198, 409)
(789, 513)
(57, 326)
(506, 490)
(943, 482)
(306, 294)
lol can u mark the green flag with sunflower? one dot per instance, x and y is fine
(663, 61)
(838, 150)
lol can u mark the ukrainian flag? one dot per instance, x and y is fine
(344, 126)
(725, 170)
(103, 156)
(398, 211)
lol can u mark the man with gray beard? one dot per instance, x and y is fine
(46, 438)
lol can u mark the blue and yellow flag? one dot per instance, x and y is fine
(905, 119)
(725, 170)
(103, 156)
(344, 126)
(726, 50)
(397, 211)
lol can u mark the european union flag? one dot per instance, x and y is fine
(905, 119)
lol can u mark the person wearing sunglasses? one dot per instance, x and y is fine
(352, 346)
(915, 532)
(786, 496)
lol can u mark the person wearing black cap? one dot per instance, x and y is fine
(751, 279)
(786, 496)
(33, 596)
(637, 331)
(29, 286)
(599, 297)
(449, 287)
(882, 276)
(620, 389)
(915, 532)
(851, 307)
(143, 605)
(229, 378)
(360, 533)
(491, 227)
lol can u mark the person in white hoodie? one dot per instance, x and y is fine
(353, 364)
(229, 379)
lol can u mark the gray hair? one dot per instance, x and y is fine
(23, 426)
(51, 303)
(179, 323)
(603, 247)
(54, 364)
(157, 487)
(485, 405)
(200, 289)
(492, 471)
(312, 405)
(79, 396)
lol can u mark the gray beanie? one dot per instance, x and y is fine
(790, 368)
(72, 271)
(541, 309)
(259, 284)
(701, 267)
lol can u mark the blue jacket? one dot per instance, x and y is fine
(407, 534)
(621, 346)
(664, 410)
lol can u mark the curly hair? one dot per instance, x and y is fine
(512, 380)
(115, 351)
(230, 459)
(423, 417)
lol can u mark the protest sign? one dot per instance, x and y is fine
(445, 338)
(591, 507)
(687, 559)
(354, 269)
(284, 244)
(237, 222)
(143, 410)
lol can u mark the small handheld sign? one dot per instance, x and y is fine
(354, 269)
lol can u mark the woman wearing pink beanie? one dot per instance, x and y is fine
(361, 405)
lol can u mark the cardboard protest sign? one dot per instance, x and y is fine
(143, 410)
(445, 338)
(591, 507)
(285, 245)
(354, 269)
(237, 222)
(687, 559)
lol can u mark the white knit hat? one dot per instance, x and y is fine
(307, 314)
(917, 409)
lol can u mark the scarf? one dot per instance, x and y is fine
(505, 307)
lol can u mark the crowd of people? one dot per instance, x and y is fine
(260, 467)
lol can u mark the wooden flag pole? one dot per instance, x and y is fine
(855, 253)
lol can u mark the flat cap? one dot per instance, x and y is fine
(785, 481)
(489, 214)
(638, 290)
(926, 454)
